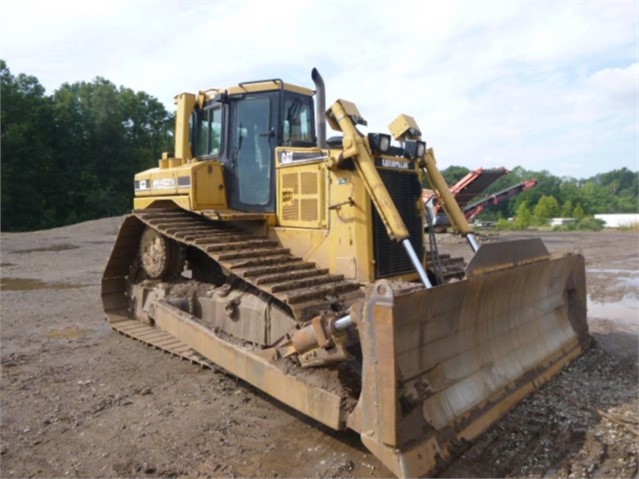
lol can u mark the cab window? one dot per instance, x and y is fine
(298, 122)
(209, 134)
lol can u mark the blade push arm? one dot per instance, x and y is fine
(405, 128)
(342, 116)
(447, 200)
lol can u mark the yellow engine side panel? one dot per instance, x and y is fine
(323, 214)
(195, 185)
(207, 187)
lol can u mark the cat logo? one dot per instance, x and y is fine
(287, 197)
(287, 157)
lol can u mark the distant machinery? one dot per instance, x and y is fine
(468, 188)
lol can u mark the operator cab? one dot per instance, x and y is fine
(242, 126)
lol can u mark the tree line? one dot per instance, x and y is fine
(71, 157)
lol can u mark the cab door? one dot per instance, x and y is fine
(250, 167)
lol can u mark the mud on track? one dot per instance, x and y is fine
(80, 400)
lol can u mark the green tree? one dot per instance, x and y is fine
(620, 190)
(523, 218)
(578, 212)
(589, 223)
(503, 224)
(547, 207)
(620, 182)
(115, 132)
(570, 191)
(27, 180)
(597, 198)
(72, 156)
(567, 209)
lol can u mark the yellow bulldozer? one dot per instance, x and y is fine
(299, 264)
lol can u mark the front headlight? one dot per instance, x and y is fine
(414, 149)
(379, 142)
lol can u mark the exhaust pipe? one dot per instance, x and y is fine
(320, 108)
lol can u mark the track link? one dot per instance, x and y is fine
(161, 340)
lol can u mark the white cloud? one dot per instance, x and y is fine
(544, 85)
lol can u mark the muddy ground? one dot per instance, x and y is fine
(80, 400)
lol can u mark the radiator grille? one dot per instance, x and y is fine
(390, 257)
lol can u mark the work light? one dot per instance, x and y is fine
(379, 142)
(414, 149)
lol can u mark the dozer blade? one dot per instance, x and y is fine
(441, 365)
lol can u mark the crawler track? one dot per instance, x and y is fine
(259, 261)
(299, 285)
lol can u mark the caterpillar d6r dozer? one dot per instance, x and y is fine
(299, 264)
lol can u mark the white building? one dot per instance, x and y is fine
(618, 220)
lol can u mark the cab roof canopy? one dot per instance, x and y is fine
(256, 87)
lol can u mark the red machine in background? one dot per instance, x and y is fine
(468, 188)
(471, 211)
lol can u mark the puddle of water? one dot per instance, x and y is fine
(612, 271)
(68, 333)
(625, 311)
(632, 281)
(57, 247)
(626, 277)
(28, 284)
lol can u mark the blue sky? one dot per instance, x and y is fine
(545, 85)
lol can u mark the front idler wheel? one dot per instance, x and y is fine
(160, 256)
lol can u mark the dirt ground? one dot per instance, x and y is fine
(80, 400)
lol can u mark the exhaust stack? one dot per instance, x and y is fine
(320, 108)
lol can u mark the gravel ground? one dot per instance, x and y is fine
(79, 400)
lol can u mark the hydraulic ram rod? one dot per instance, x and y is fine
(416, 263)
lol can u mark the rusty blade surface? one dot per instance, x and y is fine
(506, 254)
(442, 365)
